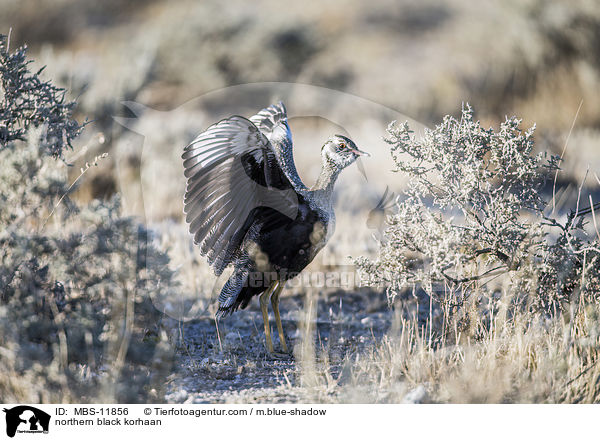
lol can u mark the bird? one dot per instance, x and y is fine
(247, 207)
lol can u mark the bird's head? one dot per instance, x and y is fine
(341, 151)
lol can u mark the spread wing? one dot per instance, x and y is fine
(231, 169)
(268, 118)
(273, 122)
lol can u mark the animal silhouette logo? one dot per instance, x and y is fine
(26, 419)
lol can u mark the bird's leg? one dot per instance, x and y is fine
(264, 303)
(275, 304)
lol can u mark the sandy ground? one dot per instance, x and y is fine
(347, 323)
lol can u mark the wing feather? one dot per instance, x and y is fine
(269, 117)
(231, 169)
(201, 185)
(273, 122)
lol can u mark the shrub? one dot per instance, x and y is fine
(27, 102)
(78, 323)
(473, 211)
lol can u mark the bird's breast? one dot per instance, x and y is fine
(322, 230)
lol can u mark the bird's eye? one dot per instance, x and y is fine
(342, 145)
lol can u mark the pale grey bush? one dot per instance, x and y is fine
(473, 212)
(28, 101)
(77, 321)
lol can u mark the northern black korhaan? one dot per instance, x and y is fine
(247, 207)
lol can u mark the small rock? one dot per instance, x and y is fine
(418, 395)
(178, 396)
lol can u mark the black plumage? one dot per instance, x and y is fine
(285, 245)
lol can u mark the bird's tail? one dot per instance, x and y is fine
(228, 298)
(237, 292)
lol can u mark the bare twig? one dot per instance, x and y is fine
(83, 171)
(561, 157)
(218, 334)
(594, 218)
(576, 214)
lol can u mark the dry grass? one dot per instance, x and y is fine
(525, 359)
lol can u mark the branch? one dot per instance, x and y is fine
(475, 277)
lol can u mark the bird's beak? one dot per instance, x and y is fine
(360, 152)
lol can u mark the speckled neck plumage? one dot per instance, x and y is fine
(322, 190)
(327, 177)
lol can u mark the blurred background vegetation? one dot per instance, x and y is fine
(537, 59)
